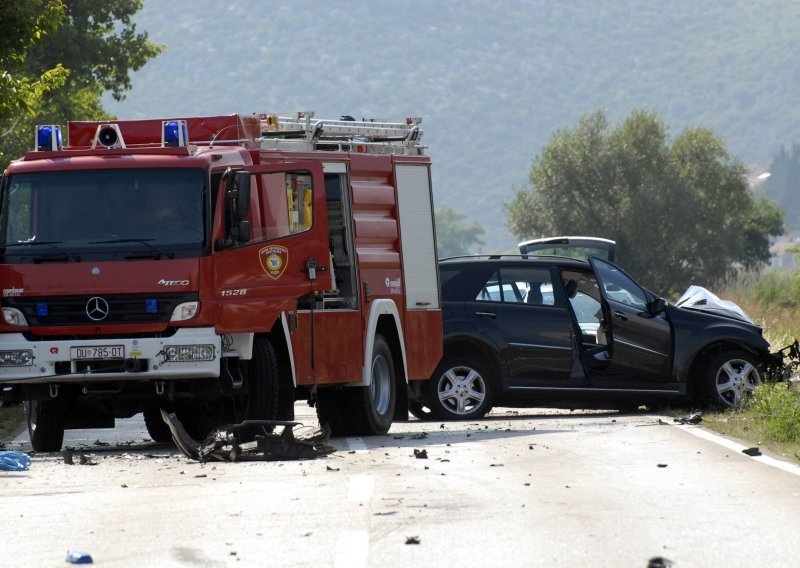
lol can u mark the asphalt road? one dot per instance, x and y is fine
(526, 488)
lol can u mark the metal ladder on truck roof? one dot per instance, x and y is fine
(346, 134)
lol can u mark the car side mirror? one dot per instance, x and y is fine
(657, 306)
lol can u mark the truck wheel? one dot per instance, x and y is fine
(156, 427)
(730, 379)
(460, 389)
(372, 407)
(261, 375)
(199, 420)
(332, 411)
(45, 424)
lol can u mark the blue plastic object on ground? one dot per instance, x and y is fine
(75, 556)
(14, 461)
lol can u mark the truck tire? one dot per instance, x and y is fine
(45, 424)
(157, 429)
(199, 420)
(372, 407)
(261, 377)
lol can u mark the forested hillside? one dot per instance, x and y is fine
(492, 79)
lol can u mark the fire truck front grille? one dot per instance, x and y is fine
(98, 309)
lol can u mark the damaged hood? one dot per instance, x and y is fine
(699, 299)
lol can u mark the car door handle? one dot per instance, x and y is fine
(486, 315)
(620, 315)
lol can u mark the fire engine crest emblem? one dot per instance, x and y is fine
(273, 260)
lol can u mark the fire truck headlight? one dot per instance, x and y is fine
(189, 353)
(13, 316)
(185, 311)
(16, 358)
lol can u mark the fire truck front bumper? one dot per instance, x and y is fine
(189, 353)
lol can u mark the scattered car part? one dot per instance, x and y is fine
(225, 443)
(784, 364)
(14, 461)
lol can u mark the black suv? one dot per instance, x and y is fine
(555, 331)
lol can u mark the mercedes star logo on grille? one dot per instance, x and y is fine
(97, 309)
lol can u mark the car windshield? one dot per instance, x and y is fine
(144, 210)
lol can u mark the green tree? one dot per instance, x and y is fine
(98, 44)
(453, 237)
(26, 24)
(680, 211)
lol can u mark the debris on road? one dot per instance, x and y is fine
(412, 540)
(226, 443)
(661, 465)
(421, 454)
(692, 418)
(14, 461)
(75, 556)
(752, 451)
(69, 458)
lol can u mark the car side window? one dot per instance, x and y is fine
(533, 286)
(619, 287)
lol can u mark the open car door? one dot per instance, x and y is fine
(638, 334)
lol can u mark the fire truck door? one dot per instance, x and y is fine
(288, 255)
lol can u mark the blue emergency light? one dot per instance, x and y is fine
(175, 133)
(151, 306)
(42, 310)
(48, 138)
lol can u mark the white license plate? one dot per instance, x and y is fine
(97, 352)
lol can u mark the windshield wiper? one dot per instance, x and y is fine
(60, 256)
(154, 252)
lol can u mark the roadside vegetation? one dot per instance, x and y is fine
(772, 420)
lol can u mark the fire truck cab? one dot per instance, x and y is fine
(219, 268)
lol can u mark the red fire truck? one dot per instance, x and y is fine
(220, 268)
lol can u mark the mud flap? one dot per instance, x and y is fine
(275, 441)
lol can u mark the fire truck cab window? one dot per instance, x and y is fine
(285, 205)
(105, 210)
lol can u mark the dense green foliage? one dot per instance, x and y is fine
(679, 210)
(26, 24)
(493, 79)
(453, 236)
(97, 44)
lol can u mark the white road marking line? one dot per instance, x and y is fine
(737, 447)
(361, 488)
(352, 549)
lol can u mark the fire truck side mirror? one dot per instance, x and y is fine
(237, 208)
(243, 196)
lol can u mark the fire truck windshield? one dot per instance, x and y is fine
(130, 212)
